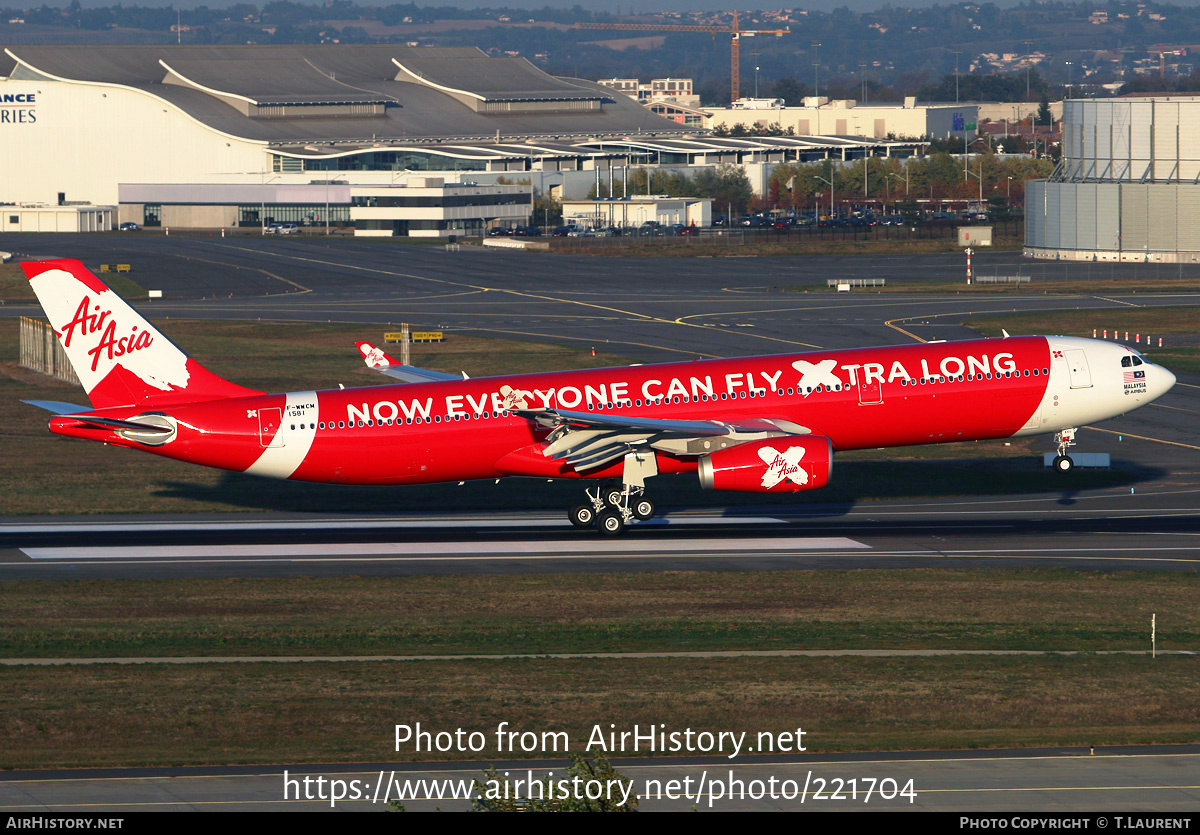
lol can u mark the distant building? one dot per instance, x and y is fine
(821, 117)
(1128, 185)
(677, 90)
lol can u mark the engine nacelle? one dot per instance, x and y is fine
(773, 465)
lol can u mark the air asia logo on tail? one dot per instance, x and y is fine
(89, 320)
(781, 465)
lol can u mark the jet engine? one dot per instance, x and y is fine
(773, 465)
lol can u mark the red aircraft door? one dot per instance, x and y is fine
(869, 393)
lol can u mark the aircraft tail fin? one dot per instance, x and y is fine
(120, 358)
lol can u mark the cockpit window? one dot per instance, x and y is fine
(1126, 362)
(1137, 361)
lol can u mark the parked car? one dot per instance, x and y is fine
(499, 232)
(129, 226)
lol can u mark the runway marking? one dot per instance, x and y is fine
(458, 550)
(300, 287)
(1176, 408)
(517, 293)
(891, 323)
(1117, 301)
(361, 524)
(1143, 437)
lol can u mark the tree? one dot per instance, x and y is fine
(498, 794)
(1043, 114)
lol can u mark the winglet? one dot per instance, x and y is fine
(382, 362)
(375, 357)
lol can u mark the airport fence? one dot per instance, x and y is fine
(41, 351)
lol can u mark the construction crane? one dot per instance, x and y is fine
(736, 31)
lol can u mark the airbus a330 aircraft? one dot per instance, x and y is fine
(759, 424)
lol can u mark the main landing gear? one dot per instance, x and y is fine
(611, 508)
(1063, 463)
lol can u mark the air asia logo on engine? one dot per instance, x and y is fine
(89, 320)
(18, 108)
(781, 465)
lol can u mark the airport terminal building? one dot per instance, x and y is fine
(1128, 185)
(247, 135)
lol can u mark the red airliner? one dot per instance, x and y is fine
(759, 424)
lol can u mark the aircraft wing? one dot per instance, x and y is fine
(384, 363)
(587, 440)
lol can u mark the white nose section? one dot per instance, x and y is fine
(1164, 381)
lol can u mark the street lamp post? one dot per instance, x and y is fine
(979, 177)
(1028, 67)
(956, 54)
(830, 183)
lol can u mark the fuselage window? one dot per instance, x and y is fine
(437, 418)
(341, 424)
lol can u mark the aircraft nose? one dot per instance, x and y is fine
(1167, 380)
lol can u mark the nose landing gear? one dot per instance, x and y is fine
(1063, 463)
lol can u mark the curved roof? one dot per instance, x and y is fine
(380, 94)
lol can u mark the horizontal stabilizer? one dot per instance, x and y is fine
(57, 406)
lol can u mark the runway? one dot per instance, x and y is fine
(1105, 530)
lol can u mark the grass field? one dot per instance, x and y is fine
(332, 712)
(678, 611)
(14, 286)
(322, 712)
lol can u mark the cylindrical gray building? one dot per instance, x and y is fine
(1128, 185)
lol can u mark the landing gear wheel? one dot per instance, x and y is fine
(582, 516)
(610, 523)
(614, 496)
(1063, 464)
(643, 509)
